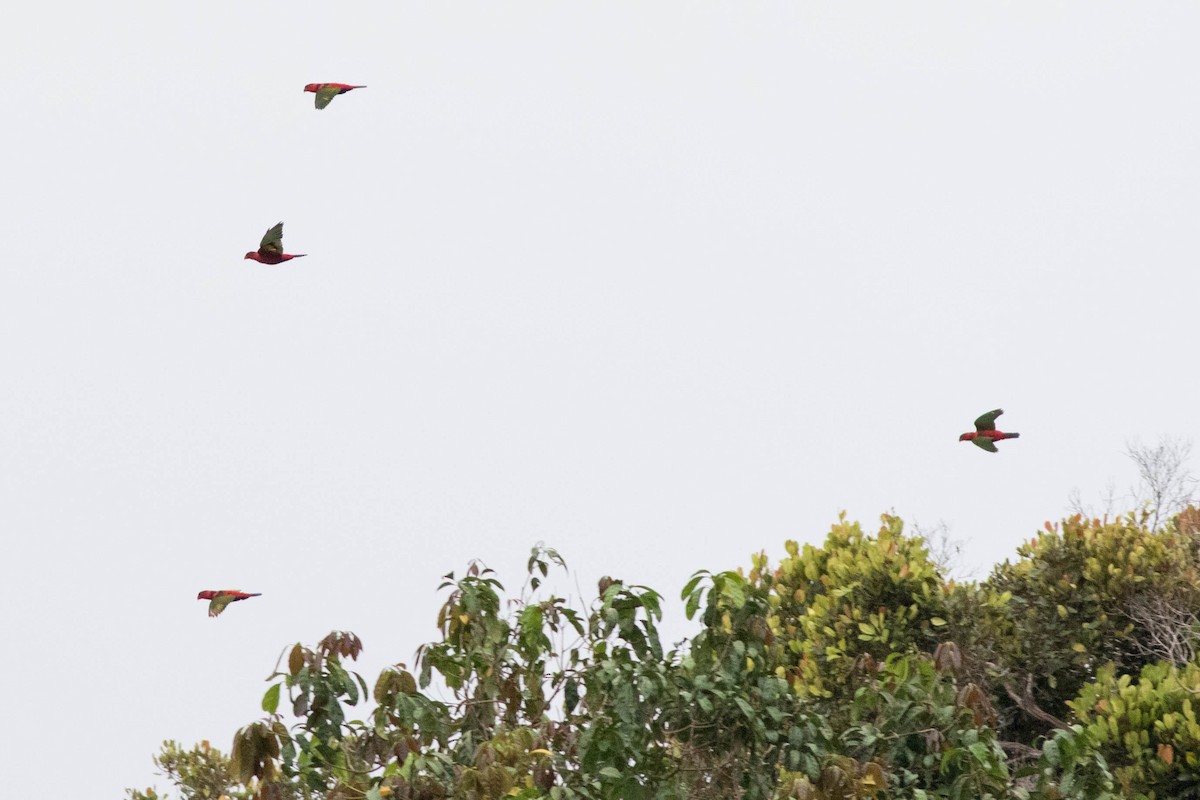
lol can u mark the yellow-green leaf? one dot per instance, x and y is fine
(270, 701)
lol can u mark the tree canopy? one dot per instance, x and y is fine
(853, 669)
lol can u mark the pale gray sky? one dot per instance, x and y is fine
(662, 284)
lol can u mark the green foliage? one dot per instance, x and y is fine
(1071, 767)
(732, 711)
(928, 732)
(857, 595)
(201, 773)
(546, 700)
(1071, 602)
(910, 730)
(1146, 727)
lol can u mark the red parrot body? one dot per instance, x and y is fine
(343, 87)
(985, 434)
(270, 250)
(222, 597)
(272, 258)
(325, 92)
(995, 436)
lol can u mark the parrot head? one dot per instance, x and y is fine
(207, 594)
(251, 254)
(966, 437)
(312, 87)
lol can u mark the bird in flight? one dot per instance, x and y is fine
(223, 597)
(325, 92)
(270, 250)
(985, 434)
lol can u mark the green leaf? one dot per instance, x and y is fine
(690, 586)
(745, 707)
(570, 695)
(980, 751)
(270, 701)
(651, 604)
(937, 622)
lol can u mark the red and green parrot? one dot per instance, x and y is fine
(270, 250)
(223, 597)
(985, 434)
(325, 92)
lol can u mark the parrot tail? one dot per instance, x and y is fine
(1012, 436)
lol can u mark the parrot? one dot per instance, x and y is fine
(223, 597)
(985, 434)
(270, 250)
(325, 92)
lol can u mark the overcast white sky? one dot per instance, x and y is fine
(662, 284)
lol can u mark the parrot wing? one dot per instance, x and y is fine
(272, 242)
(325, 95)
(219, 603)
(980, 441)
(987, 422)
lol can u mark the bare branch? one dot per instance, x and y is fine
(1167, 485)
(1020, 751)
(945, 551)
(1106, 509)
(1027, 704)
(1169, 627)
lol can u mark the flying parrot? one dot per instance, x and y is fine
(223, 597)
(325, 92)
(985, 434)
(270, 250)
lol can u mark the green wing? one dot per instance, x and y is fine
(219, 603)
(987, 422)
(273, 241)
(980, 441)
(325, 96)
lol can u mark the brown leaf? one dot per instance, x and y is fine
(974, 698)
(873, 780)
(342, 643)
(947, 658)
(834, 781)
(296, 660)
(270, 790)
(543, 775)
